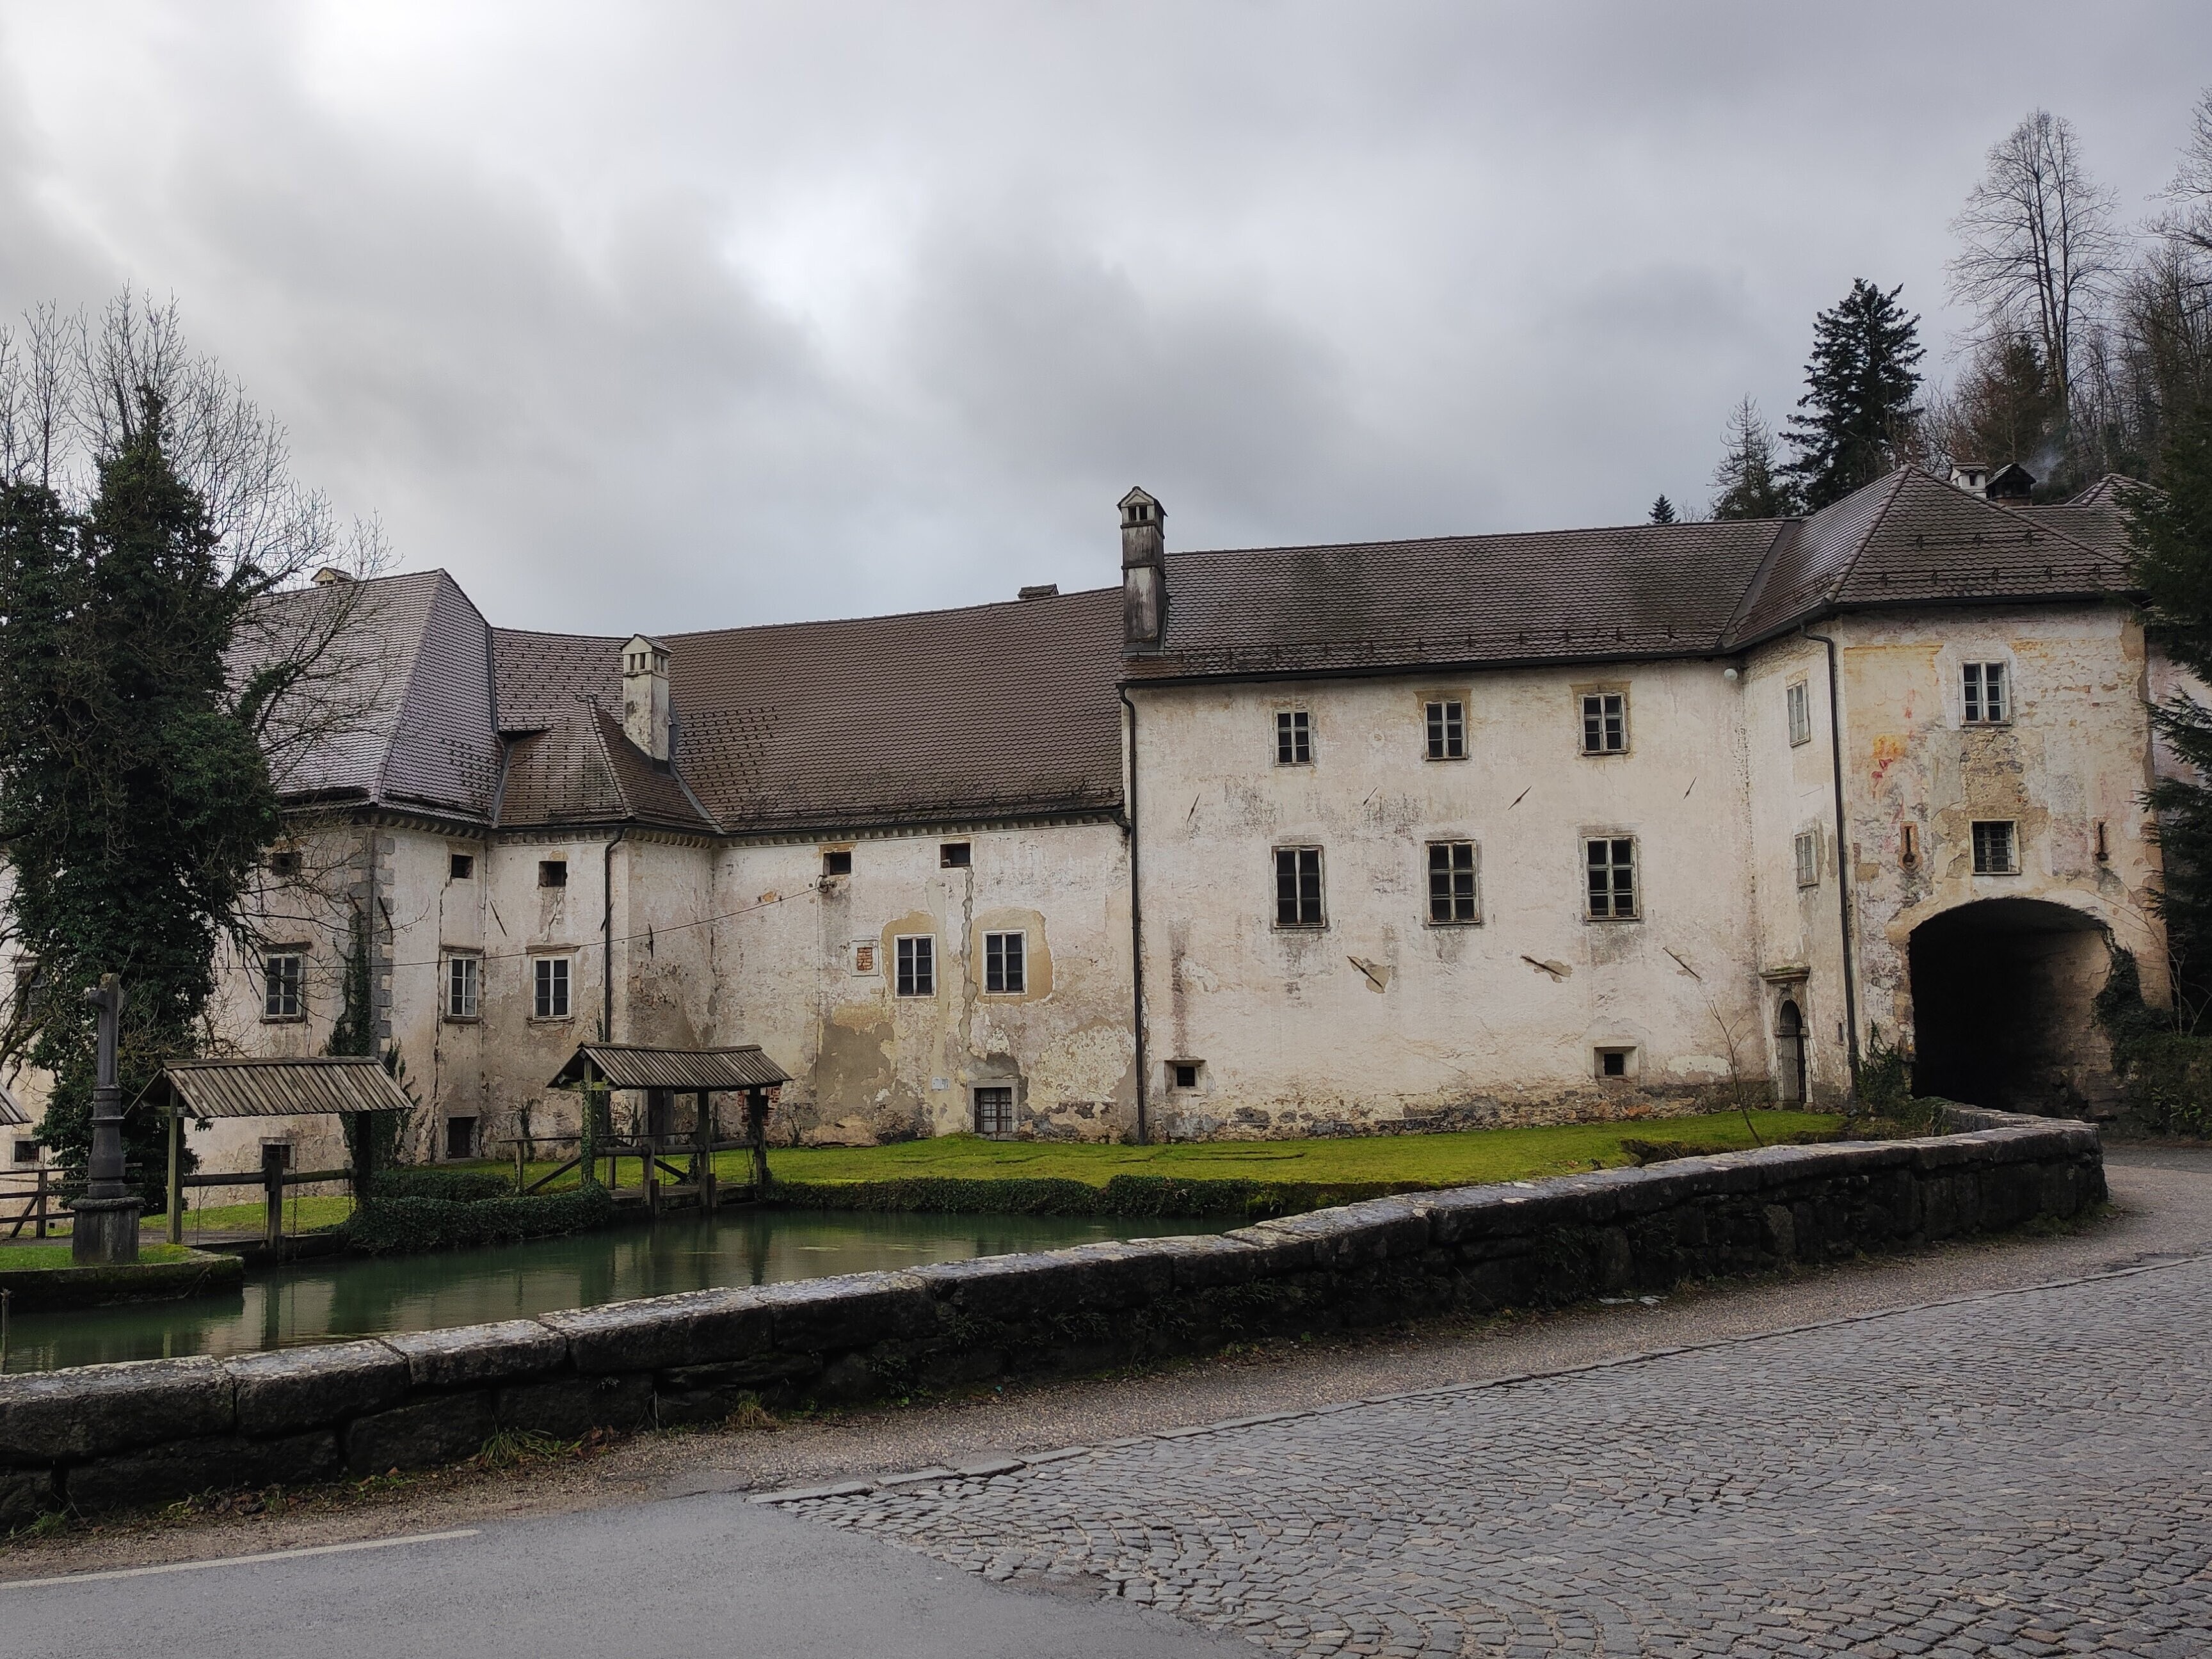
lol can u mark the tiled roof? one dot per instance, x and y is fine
(1634, 591)
(583, 769)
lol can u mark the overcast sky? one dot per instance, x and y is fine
(663, 316)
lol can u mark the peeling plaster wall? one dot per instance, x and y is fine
(2076, 752)
(807, 969)
(1381, 1020)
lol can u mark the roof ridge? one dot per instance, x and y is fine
(1896, 481)
(1682, 526)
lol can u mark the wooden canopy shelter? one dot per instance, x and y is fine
(348, 1086)
(12, 1115)
(661, 1074)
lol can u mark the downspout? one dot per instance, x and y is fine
(1136, 923)
(607, 937)
(1842, 860)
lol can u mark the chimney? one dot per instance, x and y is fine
(1973, 477)
(645, 695)
(1144, 573)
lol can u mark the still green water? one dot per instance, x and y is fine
(362, 1296)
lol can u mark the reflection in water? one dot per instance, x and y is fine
(329, 1301)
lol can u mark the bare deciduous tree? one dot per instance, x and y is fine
(2188, 220)
(2041, 249)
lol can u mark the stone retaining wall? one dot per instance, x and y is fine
(102, 1437)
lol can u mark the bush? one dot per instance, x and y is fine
(389, 1226)
(2165, 1073)
(454, 1185)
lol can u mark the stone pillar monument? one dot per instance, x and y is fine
(105, 1225)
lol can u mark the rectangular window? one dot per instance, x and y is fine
(1005, 971)
(281, 972)
(27, 1152)
(286, 863)
(838, 863)
(460, 1137)
(1614, 1062)
(1997, 849)
(1451, 882)
(995, 1112)
(954, 855)
(1801, 713)
(550, 1000)
(462, 866)
(1987, 698)
(917, 965)
(1183, 1073)
(1611, 863)
(553, 872)
(463, 975)
(1447, 731)
(1808, 859)
(1605, 722)
(1297, 887)
(1293, 738)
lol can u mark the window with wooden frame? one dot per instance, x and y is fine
(1293, 738)
(1996, 848)
(994, 1112)
(1609, 867)
(1447, 729)
(550, 983)
(1005, 964)
(464, 980)
(1799, 697)
(1807, 847)
(1986, 694)
(914, 961)
(1454, 898)
(1605, 722)
(1297, 887)
(284, 973)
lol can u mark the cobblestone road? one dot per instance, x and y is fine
(2022, 1474)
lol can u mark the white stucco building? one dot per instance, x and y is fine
(1474, 830)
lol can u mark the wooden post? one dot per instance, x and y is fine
(706, 1152)
(176, 1172)
(40, 1232)
(650, 1173)
(756, 1132)
(364, 1155)
(273, 1160)
(517, 1168)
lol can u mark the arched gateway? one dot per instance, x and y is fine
(2002, 995)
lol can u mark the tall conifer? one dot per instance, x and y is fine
(1858, 416)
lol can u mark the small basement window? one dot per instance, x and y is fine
(1988, 699)
(1605, 722)
(1293, 738)
(461, 866)
(1183, 1073)
(1801, 713)
(1447, 725)
(838, 862)
(1997, 849)
(954, 855)
(1614, 1062)
(460, 1137)
(552, 872)
(995, 1112)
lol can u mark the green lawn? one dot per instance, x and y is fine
(35, 1258)
(302, 1215)
(1437, 1160)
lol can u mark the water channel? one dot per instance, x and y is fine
(338, 1297)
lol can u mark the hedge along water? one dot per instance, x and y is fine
(338, 1298)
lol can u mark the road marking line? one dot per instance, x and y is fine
(240, 1560)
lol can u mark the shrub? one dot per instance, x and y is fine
(454, 1185)
(387, 1226)
(2165, 1073)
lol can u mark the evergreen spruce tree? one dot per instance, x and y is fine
(1748, 483)
(134, 796)
(1858, 412)
(2171, 530)
(1662, 511)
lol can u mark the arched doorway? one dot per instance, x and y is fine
(1789, 1052)
(2002, 1015)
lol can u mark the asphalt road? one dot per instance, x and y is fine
(1953, 1462)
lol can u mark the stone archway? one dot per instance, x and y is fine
(2002, 1014)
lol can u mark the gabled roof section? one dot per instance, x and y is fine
(582, 769)
(1911, 538)
(1636, 589)
(401, 691)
